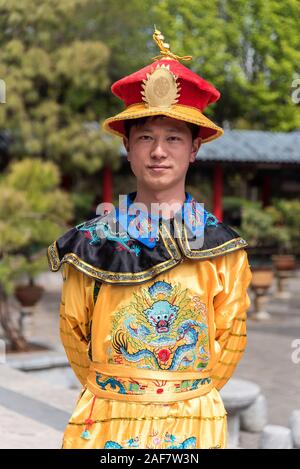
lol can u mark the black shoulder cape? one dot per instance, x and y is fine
(125, 260)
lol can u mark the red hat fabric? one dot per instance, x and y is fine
(165, 87)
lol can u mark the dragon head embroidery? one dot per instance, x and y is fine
(161, 315)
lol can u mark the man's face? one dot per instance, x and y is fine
(160, 152)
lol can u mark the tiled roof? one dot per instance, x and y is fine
(255, 146)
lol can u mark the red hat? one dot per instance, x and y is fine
(165, 87)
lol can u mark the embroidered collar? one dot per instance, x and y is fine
(102, 249)
(144, 227)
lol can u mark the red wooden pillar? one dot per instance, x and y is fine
(107, 195)
(218, 192)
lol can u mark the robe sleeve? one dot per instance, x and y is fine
(230, 306)
(76, 311)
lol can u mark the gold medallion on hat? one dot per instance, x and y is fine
(160, 89)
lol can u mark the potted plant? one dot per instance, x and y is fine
(273, 236)
(33, 212)
(285, 234)
(286, 216)
(256, 228)
(28, 294)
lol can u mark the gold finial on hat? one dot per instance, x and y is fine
(164, 48)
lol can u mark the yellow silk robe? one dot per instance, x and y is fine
(141, 390)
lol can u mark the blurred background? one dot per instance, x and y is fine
(57, 63)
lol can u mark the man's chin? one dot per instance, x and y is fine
(156, 186)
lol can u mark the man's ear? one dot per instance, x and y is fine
(126, 145)
(195, 148)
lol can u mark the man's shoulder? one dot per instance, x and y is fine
(101, 248)
(73, 241)
(219, 237)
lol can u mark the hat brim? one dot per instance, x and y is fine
(208, 130)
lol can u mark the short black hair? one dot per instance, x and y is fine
(128, 123)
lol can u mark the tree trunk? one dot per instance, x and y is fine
(16, 341)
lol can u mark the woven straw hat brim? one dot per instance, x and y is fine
(181, 112)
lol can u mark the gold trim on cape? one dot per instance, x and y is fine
(177, 252)
(229, 246)
(103, 275)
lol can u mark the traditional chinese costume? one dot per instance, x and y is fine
(153, 328)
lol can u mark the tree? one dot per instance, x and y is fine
(33, 212)
(59, 59)
(57, 82)
(249, 49)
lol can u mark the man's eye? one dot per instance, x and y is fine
(174, 138)
(145, 137)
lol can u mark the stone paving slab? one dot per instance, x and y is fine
(33, 413)
(26, 433)
(36, 388)
(33, 408)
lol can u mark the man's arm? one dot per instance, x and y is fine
(76, 310)
(231, 305)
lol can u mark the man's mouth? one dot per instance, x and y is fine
(159, 168)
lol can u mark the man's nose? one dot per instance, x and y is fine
(158, 150)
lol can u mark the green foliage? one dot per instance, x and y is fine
(286, 216)
(57, 87)
(249, 49)
(233, 203)
(59, 58)
(73, 50)
(256, 226)
(276, 226)
(33, 212)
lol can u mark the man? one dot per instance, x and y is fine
(154, 300)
